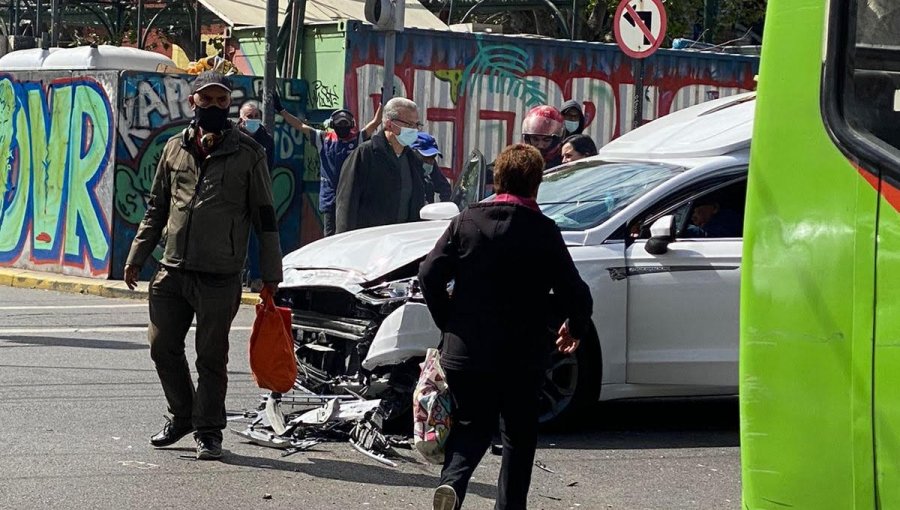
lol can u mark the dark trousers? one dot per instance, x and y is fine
(479, 399)
(329, 223)
(175, 298)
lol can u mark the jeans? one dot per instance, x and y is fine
(175, 297)
(479, 399)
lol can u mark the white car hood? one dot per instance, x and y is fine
(354, 258)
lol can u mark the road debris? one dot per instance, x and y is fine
(321, 418)
(543, 466)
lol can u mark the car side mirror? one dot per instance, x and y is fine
(439, 211)
(662, 232)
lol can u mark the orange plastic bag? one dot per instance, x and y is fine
(272, 347)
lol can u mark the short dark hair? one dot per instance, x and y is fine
(518, 170)
(581, 143)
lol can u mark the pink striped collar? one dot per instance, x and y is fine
(509, 198)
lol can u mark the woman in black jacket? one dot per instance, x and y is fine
(504, 258)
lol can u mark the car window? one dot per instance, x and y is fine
(583, 196)
(716, 203)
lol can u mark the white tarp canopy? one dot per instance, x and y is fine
(252, 13)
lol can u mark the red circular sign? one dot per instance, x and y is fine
(640, 27)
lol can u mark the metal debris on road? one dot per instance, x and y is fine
(543, 466)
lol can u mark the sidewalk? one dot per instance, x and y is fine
(25, 279)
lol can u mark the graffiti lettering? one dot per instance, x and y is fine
(56, 175)
(323, 96)
(154, 108)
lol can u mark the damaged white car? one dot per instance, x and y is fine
(654, 225)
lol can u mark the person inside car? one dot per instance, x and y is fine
(710, 219)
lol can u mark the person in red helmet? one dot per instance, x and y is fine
(542, 128)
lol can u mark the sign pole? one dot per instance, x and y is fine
(269, 73)
(638, 102)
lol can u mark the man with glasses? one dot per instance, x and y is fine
(381, 181)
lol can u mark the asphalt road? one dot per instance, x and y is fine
(79, 398)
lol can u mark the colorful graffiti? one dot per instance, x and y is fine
(56, 132)
(474, 89)
(154, 108)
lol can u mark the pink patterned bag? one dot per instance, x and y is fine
(432, 407)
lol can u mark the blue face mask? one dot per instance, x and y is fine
(252, 125)
(407, 136)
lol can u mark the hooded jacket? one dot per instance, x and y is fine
(574, 104)
(203, 207)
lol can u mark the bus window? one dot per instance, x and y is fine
(862, 81)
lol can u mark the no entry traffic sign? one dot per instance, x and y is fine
(640, 26)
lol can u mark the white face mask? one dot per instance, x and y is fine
(427, 168)
(407, 136)
(572, 126)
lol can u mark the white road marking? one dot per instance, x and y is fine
(73, 307)
(109, 329)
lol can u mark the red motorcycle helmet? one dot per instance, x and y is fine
(542, 128)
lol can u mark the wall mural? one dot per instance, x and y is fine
(80, 155)
(56, 134)
(474, 89)
(155, 107)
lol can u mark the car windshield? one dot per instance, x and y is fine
(586, 195)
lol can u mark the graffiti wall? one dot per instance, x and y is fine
(154, 107)
(474, 89)
(56, 176)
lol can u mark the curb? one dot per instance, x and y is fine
(25, 279)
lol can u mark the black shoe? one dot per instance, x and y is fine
(171, 433)
(209, 447)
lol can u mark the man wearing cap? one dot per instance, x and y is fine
(211, 185)
(334, 146)
(435, 182)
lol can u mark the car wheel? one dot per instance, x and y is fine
(571, 383)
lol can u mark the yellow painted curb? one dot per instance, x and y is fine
(25, 279)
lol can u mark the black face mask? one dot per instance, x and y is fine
(211, 118)
(342, 131)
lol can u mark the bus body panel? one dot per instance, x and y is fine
(807, 289)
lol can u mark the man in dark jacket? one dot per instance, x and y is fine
(381, 182)
(250, 123)
(505, 257)
(211, 186)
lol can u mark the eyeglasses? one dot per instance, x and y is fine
(417, 125)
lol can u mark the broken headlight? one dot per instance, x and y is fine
(399, 290)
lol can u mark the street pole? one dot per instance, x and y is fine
(390, 54)
(54, 23)
(198, 39)
(38, 30)
(140, 24)
(638, 96)
(269, 76)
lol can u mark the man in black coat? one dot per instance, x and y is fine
(381, 182)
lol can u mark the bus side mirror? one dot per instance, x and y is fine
(662, 232)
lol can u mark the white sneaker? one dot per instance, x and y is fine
(444, 498)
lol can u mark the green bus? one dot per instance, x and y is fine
(820, 288)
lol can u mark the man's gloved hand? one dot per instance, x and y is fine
(276, 103)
